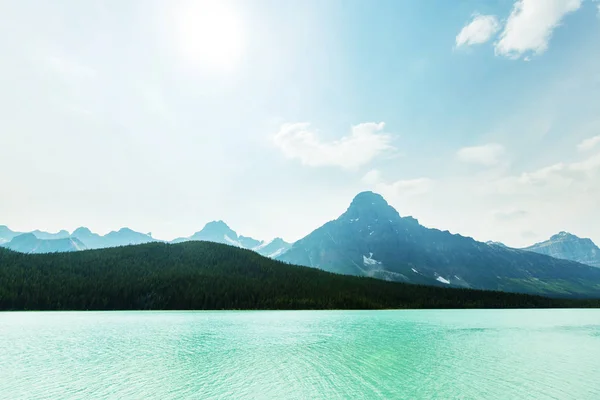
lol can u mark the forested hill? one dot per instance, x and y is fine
(202, 275)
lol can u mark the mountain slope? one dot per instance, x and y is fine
(567, 246)
(29, 243)
(371, 239)
(202, 275)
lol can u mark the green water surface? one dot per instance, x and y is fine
(445, 354)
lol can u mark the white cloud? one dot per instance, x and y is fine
(589, 144)
(487, 155)
(411, 187)
(365, 142)
(478, 31)
(399, 188)
(372, 177)
(530, 24)
(559, 176)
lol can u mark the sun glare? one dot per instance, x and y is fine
(210, 34)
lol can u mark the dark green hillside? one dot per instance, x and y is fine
(202, 275)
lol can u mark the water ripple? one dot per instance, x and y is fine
(476, 354)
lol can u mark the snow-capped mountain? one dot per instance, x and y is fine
(567, 246)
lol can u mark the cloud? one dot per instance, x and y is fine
(399, 188)
(530, 24)
(365, 142)
(559, 176)
(478, 31)
(487, 155)
(589, 144)
(372, 177)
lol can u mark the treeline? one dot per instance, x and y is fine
(202, 275)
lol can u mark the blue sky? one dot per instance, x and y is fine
(480, 117)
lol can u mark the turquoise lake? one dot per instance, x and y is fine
(415, 354)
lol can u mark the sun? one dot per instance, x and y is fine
(210, 34)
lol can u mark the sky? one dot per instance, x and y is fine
(481, 117)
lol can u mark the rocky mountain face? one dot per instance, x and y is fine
(29, 243)
(567, 246)
(372, 239)
(220, 232)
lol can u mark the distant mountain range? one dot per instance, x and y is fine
(29, 243)
(569, 247)
(82, 239)
(372, 239)
(37, 242)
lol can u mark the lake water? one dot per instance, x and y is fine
(453, 354)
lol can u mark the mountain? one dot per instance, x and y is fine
(122, 237)
(567, 246)
(217, 232)
(220, 232)
(203, 275)
(6, 234)
(125, 237)
(29, 243)
(91, 240)
(274, 248)
(45, 235)
(372, 239)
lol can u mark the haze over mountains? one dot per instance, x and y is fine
(83, 238)
(372, 239)
(569, 247)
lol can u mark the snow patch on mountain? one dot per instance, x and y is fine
(370, 260)
(231, 241)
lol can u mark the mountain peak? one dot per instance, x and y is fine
(216, 224)
(567, 246)
(215, 231)
(370, 206)
(368, 199)
(82, 230)
(563, 235)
